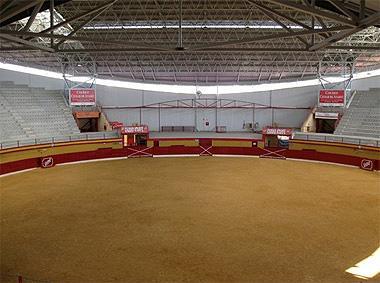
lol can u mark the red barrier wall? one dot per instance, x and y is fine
(187, 150)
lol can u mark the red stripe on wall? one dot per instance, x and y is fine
(173, 150)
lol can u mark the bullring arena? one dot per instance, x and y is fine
(189, 141)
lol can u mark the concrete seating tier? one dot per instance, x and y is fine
(33, 113)
(362, 118)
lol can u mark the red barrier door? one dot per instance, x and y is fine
(205, 146)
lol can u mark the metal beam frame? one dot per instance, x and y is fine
(336, 37)
(76, 38)
(341, 7)
(18, 9)
(33, 16)
(373, 19)
(51, 10)
(206, 47)
(26, 42)
(4, 7)
(272, 36)
(225, 54)
(96, 9)
(206, 103)
(269, 15)
(314, 12)
(359, 49)
(270, 10)
(69, 36)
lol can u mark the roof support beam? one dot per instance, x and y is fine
(147, 50)
(51, 10)
(336, 37)
(77, 38)
(272, 36)
(18, 9)
(312, 24)
(269, 15)
(68, 21)
(6, 5)
(364, 23)
(33, 16)
(314, 12)
(319, 19)
(180, 37)
(341, 7)
(270, 10)
(362, 9)
(83, 24)
(26, 42)
(371, 20)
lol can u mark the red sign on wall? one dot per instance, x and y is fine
(47, 162)
(366, 164)
(135, 130)
(116, 125)
(278, 131)
(82, 96)
(331, 97)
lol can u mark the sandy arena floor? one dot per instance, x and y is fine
(208, 219)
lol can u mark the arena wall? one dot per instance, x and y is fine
(16, 159)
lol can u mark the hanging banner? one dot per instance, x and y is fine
(331, 97)
(326, 115)
(82, 96)
(86, 114)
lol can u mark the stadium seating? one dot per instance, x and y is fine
(362, 118)
(33, 113)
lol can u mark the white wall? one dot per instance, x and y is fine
(232, 118)
(366, 83)
(31, 80)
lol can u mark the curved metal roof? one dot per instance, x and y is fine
(195, 41)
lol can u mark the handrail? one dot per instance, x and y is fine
(337, 138)
(206, 102)
(56, 139)
(108, 135)
(351, 99)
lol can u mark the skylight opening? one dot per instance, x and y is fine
(192, 25)
(42, 22)
(175, 26)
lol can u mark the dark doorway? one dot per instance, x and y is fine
(326, 126)
(87, 125)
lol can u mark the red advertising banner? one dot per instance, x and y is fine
(278, 131)
(116, 125)
(82, 96)
(331, 97)
(135, 130)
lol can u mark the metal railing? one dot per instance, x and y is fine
(57, 139)
(109, 135)
(337, 138)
